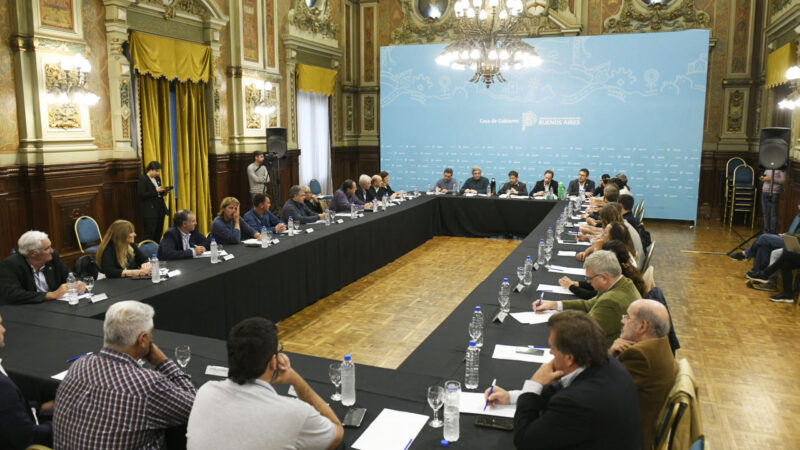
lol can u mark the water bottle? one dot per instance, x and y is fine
(561, 191)
(154, 272)
(505, 288)
(477, 317)
(327, 217)
(581, 193)
(491, 187)
(353, 211)
(385, 203)
(429, 188)
(473, 361)
(290, 226)
(72, 289)
(455, 187)
(348, 382)
(540, 258)
(376, 202)
(452, 391)
(264, 241)
(214, 251)
(528, 279)
(550, 236)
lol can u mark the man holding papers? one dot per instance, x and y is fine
(614, 293)
(583, 398)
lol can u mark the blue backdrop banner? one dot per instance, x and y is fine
(629, 103)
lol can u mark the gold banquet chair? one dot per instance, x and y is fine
(679, 425)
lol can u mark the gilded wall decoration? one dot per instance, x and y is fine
(369, 44)
(349, 113)
(316, 20)
(348, 57)
(63, 116)
(633, 17)
(250, 47)
(269, 25)
(251, 97)
(369, 113)
(125, 107)
(9, 134)
(193, 7)
(56, 14)
(775, 6)
(96, 51)
(735, 111)
(740, 40)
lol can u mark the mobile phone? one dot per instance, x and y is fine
(530, 351)
(498, 423)
(354, 417)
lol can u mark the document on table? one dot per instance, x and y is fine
(553, 288)
(566, 253)
(207, 253)
(80, 297)
(510, 352)
(391, 430)
(343, 214)
(532, 318)
(585, 243)
(252, 241)
(569, 270)
(473, 403)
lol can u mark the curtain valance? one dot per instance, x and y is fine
(778, 62)
(316, 80)
(170, 58)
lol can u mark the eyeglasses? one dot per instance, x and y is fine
(275, 373)
(626, 317)
(593, 277)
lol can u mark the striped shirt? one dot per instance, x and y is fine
(108, 401)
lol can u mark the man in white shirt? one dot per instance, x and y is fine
(245, 411)
(257, 175)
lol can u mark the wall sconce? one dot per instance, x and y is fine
(66, 82)
(263, 103)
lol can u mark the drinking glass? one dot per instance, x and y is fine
(89, 282)
(475, 331)
(182, 355)
(548, 253)
(335, 372)
(269, 236)
(435, 400)
(296, 227)
(505, 303)
(521, 273)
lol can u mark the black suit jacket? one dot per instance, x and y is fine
(16, 279)
(150, 201)
(298, 211)
(599, 410)
(574, 188)
(18, 429)
(365, 196)
(171, 246)
(540, 187)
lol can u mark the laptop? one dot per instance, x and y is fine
(791, 243)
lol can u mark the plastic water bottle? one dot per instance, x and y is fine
(290, 226)
(353, 211)
(348, 382)
(452, 392)
(491, 187)
(376, 204)
(581, 194)
(561, 191)
(550, 236)
(505, 288)
(473, 361)
(264, 241)
(429, 188)
(72, 289)
(154, 272)
(540, 258)
(477, 317)
(327, 217)
(385, 203)
(214, 251)
(455, 187)
(528, 279)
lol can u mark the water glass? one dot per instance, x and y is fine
(269, 236)
(182, 355)
(335, 373)
(296, 227)
(505, 303)
(89, 282)
(548, 253)
(521, 273)
(435, 400)
(475, 331)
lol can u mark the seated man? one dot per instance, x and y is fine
(514, 186)
(245, 409)
(477, 184)
(346, 196)
(227, 228)
(626, 202)
(622, 183)
(108, 400)
(295, 208)
(182, 240)
(447, 183)
(766, 249)
(643, 348)
(614, 293)
(376, 191)
(311, 201)
(583, 181)
(546, 185)
(583, 398)
(786, 263)
(260, 216)
(598, 191)
(363, 190)
(35, 273)
(20, 427)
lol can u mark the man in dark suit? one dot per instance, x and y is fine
(514, 186)
(363, 191)
(151, 201)
(643, 348)
(35, 273)
(544, 186)
(296, 209)
(582, 181)
(19, 428)
(376, 191)
(182, 240)
(583, 398)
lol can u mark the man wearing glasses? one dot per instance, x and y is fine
(245, 409)
(614, 293)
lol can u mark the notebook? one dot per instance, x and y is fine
(791, 243)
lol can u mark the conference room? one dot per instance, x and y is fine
(513, 185)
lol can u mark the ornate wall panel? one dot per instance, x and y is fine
(635, 16)
(9, 135)
(369, 45)
(741, 36)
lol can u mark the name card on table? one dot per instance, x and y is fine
(339, 221)
(309, 230)
(173, 273)
(98, 298)
(227, 257)
(275, 241)
(566, 253)
(519, 287)
(500, 316)
(217, 371)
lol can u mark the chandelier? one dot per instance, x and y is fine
(490, 43)
(67, 82)
(262, 99)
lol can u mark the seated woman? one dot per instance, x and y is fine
(584, 289)
(119, 257)
(227, 228)
(612, 231)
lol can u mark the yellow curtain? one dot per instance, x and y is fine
(170, 58)
(156, 142)
(316, 80)
(778, 62)
(192, 177)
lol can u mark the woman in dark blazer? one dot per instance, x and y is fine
(151, 201)
(118, 255)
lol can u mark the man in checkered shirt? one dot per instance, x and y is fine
(108, 401)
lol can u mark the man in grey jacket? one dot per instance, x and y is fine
(257, 175)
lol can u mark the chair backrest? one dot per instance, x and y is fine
(86, 266)
(315, 187)
(732, 164)
(743, 175)
(87, 231)
(794, 224)
(681, 397)
(148, 247)
(639, 211)
(648, 254)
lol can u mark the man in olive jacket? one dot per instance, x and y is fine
(614, 293)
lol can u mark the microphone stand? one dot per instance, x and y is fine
(758, 233)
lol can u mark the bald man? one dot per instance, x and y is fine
(643, 348)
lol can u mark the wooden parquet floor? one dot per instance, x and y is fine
(740, 345)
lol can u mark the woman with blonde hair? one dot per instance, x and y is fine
(118, 255)
(227, 228)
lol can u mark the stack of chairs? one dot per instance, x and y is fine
(743, 194)
(727, 199)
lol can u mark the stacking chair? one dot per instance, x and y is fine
(730, 166)
(148, 247)
(87, 232)
(638, 211)
(316, 189)
(648, 254)
(743, 193)
(678, 420)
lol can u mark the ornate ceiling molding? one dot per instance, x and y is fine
(636, 17)
(775, 6)
(316, 20)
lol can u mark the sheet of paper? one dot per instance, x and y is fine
(391, 430)
(553, 288)
(207, 253)
(309, 230)
(521, 197)
(80, 297)
(584, 243)
(60, 375)
(217, 371)
(227, 257)
(343, 214)
(510, 352)
(320, 221)
(473, 403)
(569, 270)
(532, 318)
(339, 221)
(470, 195)
(566, 253)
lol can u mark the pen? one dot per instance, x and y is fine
(491, 389)
(538, 348)
(409, 443)
(541, 296)
(78, 357)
